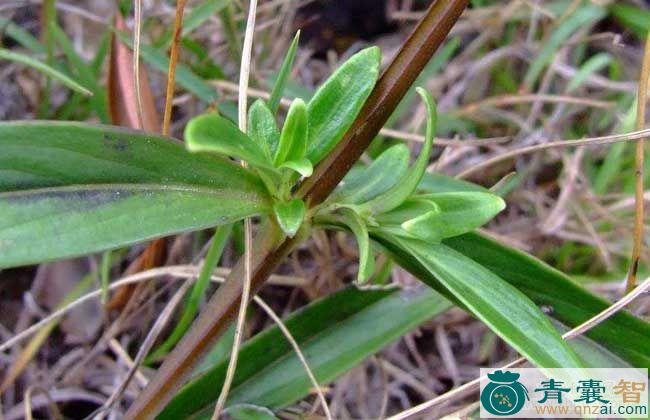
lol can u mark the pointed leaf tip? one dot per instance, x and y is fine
(293, 138)
(408, 183)
(459, 212)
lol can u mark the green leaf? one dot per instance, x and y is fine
(569, 303)
(399, 192)
(263, 129)
(358, 228)
(293, 139)
(69, 189)
(634, 18)
(594, 355)
(592, 65)
(21, 36)
(214, 133)
(98, 100)
(355, 323)
(290, 215)
(507, 311)
(458, 213)
(585, 15)
(283, 75)
(435, 183)
(413, 207)
(303, 166)
(365, 183)
(337, 102)
(247, 412)
(55, 74)
(212, 257)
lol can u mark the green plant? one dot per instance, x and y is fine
(69, 188)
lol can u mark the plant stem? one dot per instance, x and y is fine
(638, 169)
(173, 58)
(272, 246)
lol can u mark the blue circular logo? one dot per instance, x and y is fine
(504, 395)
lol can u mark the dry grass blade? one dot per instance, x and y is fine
(593, 141)
(469, 387)
(242, 106)
(176, 271)
(150, 339)
(173, 59)
(296, 348)
(638, 169)
(54, 410)
(122, 92)
(137, 33)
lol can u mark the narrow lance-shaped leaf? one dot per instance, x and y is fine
(571, 304)
(366, 259)
(409, 182)
(290, 215)
(583, 16)
(634, 18)
(21, 36)
(45, 69)
(623, 333)
(68, 189)
(356, 323)
(86, 75)
(283, 75)
(338, 101)
(293, 139)
(592, 65)
(212, 257)
(214, 133)
(507, 311)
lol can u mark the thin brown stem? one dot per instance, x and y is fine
(173, 59)
(638, 170)
(137, 32)
(271, 246)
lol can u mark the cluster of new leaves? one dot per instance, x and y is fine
(310, 132)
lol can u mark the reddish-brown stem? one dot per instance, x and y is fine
(272, 247)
